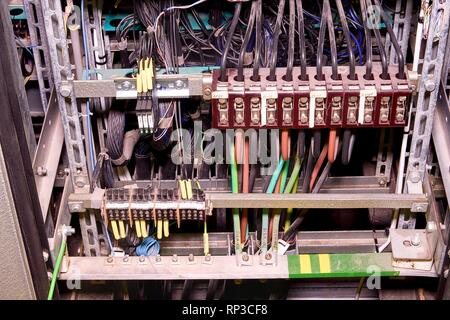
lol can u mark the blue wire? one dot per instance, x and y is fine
(108, 237)
(148, 247)
(275, 176)
(88, 105)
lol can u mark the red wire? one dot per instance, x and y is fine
(317, 167)
(331, 145)
(245, 189)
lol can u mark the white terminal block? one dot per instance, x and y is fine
(270, 93)
(363, 94)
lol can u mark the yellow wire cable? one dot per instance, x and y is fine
(138, 229)
(166, 227)
(144, 229)
(115, 230)
(189, 189)
(159, 229)
(122, 229)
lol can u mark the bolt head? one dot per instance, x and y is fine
(179, 84)
(430, 85)
(126, 85)
(65, 91)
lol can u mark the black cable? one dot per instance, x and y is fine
(223, 65)
(332, 37)
(319, 62)
(348, 39)
(384, 63)
(116, 131)
(398, 50)
(368, 41)
(308, 172)
(301, 140)
(276, 36)
(258, 40)
(317, 135)
(301, 35)
(346, 147)
(291, 40)
(248, 33)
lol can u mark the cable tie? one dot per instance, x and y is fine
(80, 114)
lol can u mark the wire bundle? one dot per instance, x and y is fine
(148, 247)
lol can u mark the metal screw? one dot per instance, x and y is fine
(416, 240)
(191, 257)
(287, 100)
(382, 181)
(75, 207)
(238, 101)
(254, 101)
(179, 84)
(41, 171)
(268, 256)
(367, 118)
(158, 258)
(271, 101)
(303, 100)
(245, 257)
(141, 259)
(80, 182)
(174, 258)
(125, 259)
(207, 91)
(208, 257)
(126, 85)
(110, 259)
(65, 90)
(430, 85)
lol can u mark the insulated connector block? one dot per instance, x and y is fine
(135, 204)
(310, 103)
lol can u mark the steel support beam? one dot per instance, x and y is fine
(428, 92)
(48, 154)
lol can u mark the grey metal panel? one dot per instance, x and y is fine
(441, 138)
(15, 276)
(48, 153)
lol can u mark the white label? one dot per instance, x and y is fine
(273, 94)
(219, 94)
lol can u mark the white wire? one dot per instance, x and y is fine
(169, 9)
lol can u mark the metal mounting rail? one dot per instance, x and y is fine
(415, 202)
(225, 267)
